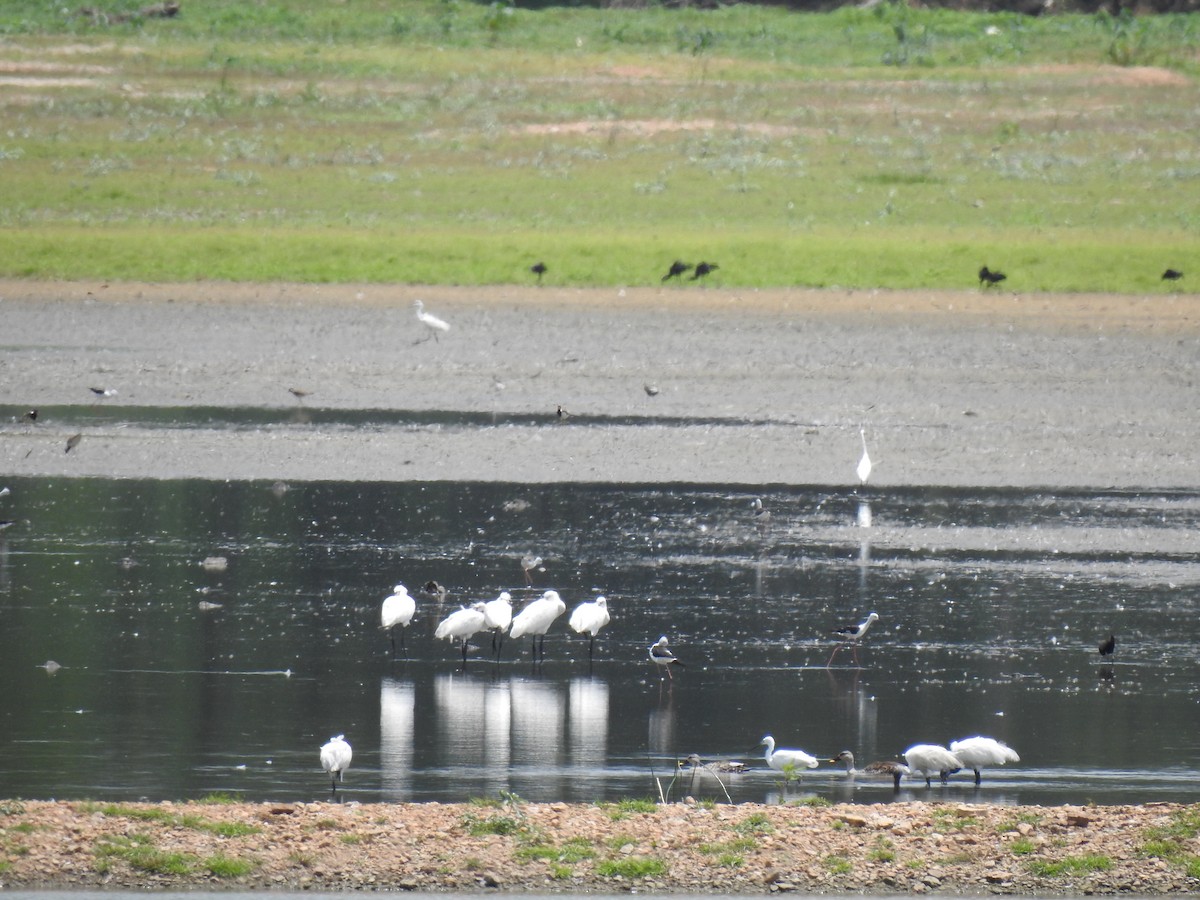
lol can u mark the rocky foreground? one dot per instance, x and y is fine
(943, 848)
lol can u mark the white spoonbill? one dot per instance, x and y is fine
(977, 752)
(864, 464)
(589, 618)
(397, 611)
(430, 321)
(852, 634)
(461, 625)
(786, 761)
(929, 758)
(335, 759)
(497, 616)
(660, 654)
(536, 619)
(884, 767)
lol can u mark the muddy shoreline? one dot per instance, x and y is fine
(966, 389)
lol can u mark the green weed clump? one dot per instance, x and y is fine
(1168, 841)
(223, 866)
(632, 867)
(1069, 866)
(140, 853)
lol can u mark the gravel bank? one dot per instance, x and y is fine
(919, 848)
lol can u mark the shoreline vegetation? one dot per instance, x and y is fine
(463, 143)
(637, 845)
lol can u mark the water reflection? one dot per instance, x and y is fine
(178, 678)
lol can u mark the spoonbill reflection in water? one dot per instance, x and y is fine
(335, 759)
(864, 464)
(589, 618)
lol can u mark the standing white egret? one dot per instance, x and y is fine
(536, 619)
(430, 321)
(786, 761)
(497, 616)
(335, 759)
(976, 752)
(529, 562)
(589, 618)
(661, 655)
(929, 758)
(461, 625)
(864, 464)
(884, 767)
(397, 611)
(852, 634)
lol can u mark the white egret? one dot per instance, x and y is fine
(397, 611)
(461, 625)
(851, 635)
(536, 619)
(930, 758)
(884, 767)
(335, 759)
(430, 321)
(786, 761)
(976, 752)
(588, 618)
(497, 616)
(661, 655)
(864, 464)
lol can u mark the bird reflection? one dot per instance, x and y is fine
(539, 717)
(661, 727)
(397, 702)
(587, 725)
(474, 724)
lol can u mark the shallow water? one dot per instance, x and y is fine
(178, 680)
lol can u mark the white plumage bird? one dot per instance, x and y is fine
(536, 619)
(932, 758)
(430, 321)
(864, 464)
(397, 612)
(497, 616)
(335, 758)
(977, 752)
(588, 618)
(461, 625)
(787, 761)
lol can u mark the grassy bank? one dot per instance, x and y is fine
(459, 143)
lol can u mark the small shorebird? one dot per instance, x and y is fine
(852, 634)
(661, 655)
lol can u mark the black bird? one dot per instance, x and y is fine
(988, 277)
(1108, 645)
(538, 269)
(703, 269)
(562, 414)
(103, 392)
(1172, 275)
(677, 269)
(32, 415)
(73, 442)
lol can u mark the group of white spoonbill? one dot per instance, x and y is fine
(920, 760)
